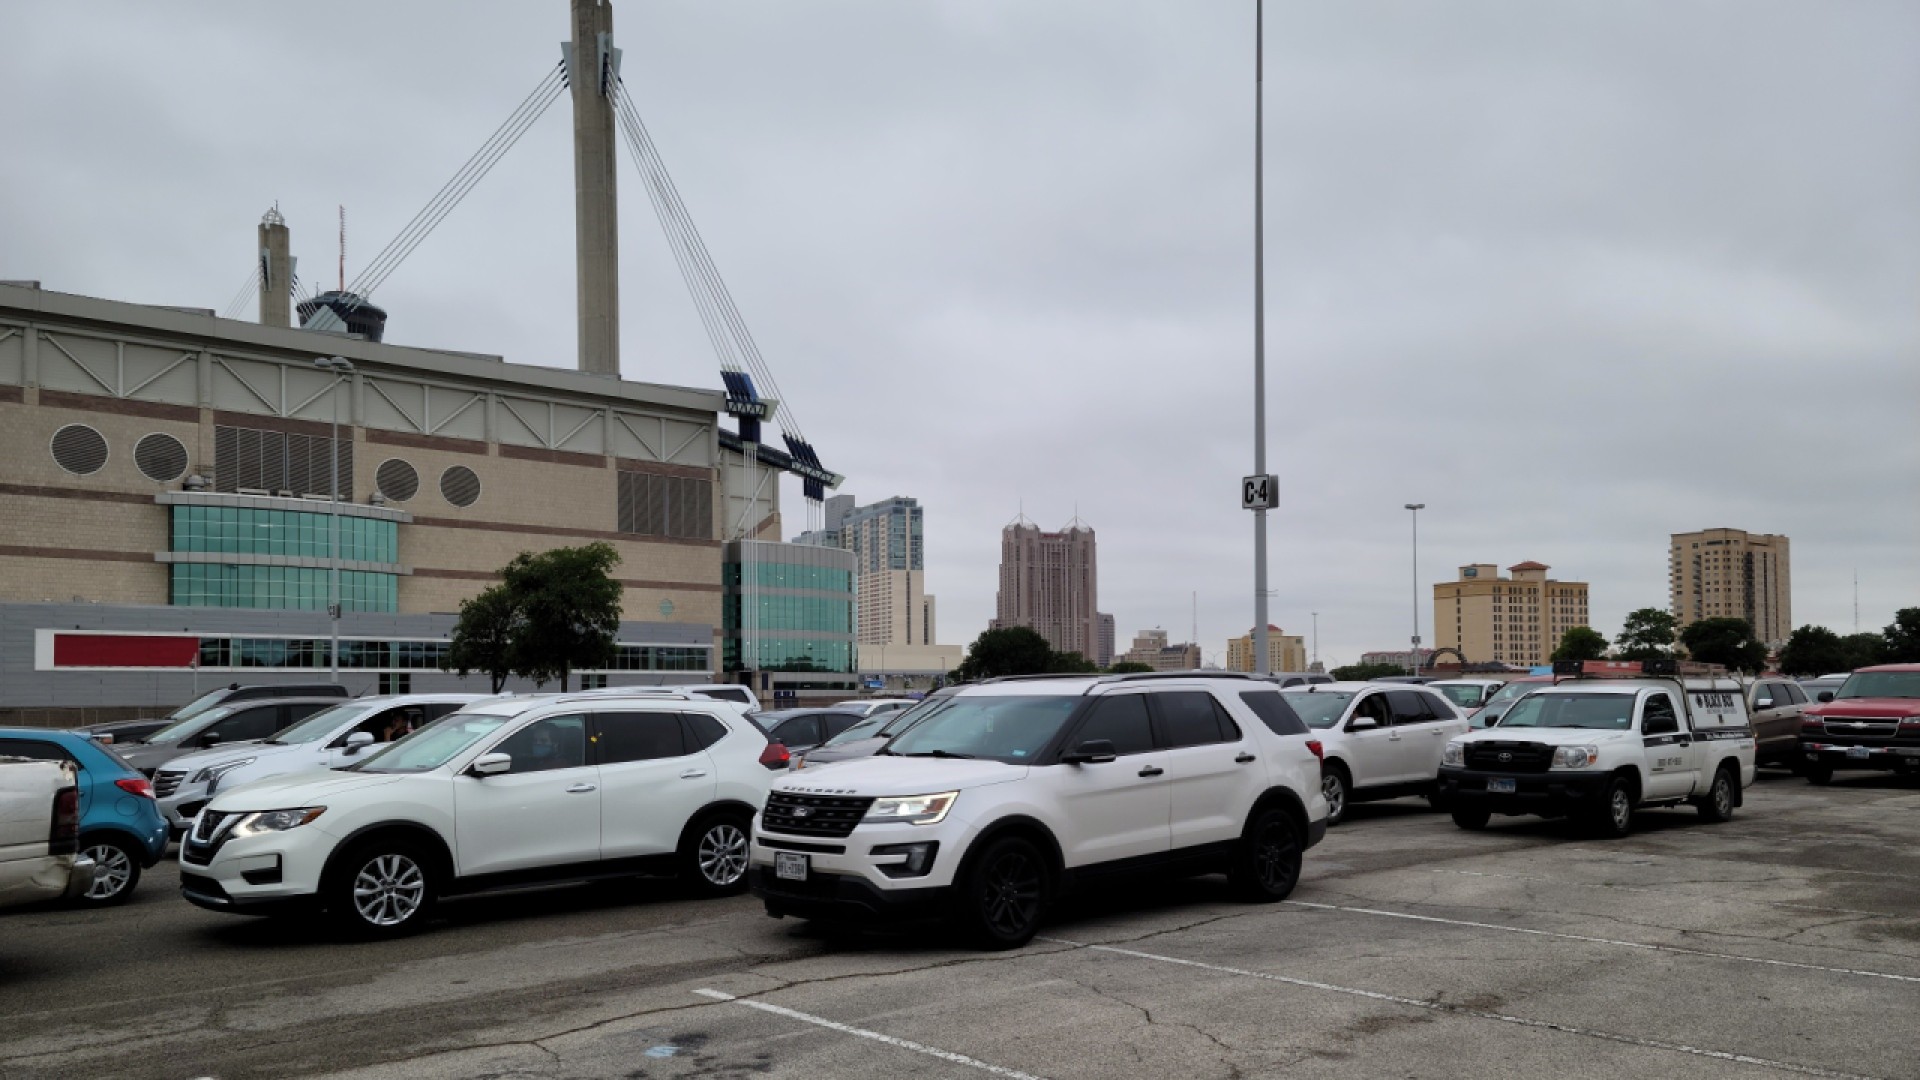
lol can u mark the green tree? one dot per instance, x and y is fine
(1724, 641)
(1363, 672)
(569, 607)
(485, 635)
(1580, 643)
(1646, 635)
(1128, 667)
(1010, 650)
(1862, 650)
(1903, 637)
(1071, 663)
(1813, 650)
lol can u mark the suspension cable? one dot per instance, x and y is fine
(240, 298)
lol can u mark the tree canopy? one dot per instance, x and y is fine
(553, 612)
(1010, 650)
(1724, 641)
(484, 637)
(1813, 650)
(1363, 672)
(1903, 637)
(1646, 635)
(1128, 667)
(1580, 643)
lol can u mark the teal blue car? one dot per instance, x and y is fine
(121, 828)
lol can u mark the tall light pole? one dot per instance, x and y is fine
(1415, 654)
(1262, 661)
(341, 367)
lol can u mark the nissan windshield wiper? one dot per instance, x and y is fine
(938, 754)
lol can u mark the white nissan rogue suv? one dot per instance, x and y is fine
(1012, 790)
(505, 793)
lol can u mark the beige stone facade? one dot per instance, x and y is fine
(1150, 647)
(1511, 620)
(1285, 652)
(1731, 573)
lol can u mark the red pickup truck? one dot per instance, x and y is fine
(1873, 722)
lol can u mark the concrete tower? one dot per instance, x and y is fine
(276, 271)
(596, 218)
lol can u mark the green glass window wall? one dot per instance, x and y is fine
(234, 530)
(281, 587)
(773, 575)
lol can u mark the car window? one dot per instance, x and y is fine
(1408, 707)
(1003, 727)
(1121, 720)
(1320, 708)
(1436, 705)
(1192, 718)
(1659, 717)
(799, 730)
(1273, 711)
(865, 729)
(702, 730)
(36, 749)
(637, 736)
(257, 722)
(839, 722)
(1374, 707)
(1600, 712)
(1467, 697)
(558, 742)
(1798, 695)
(738, 697)
(322, 723)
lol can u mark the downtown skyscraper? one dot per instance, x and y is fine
(1050, 583)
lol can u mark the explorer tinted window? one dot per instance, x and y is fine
(1122, 721)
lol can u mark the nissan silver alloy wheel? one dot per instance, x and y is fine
(389, 890)
(723, 854)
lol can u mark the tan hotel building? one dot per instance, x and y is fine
(1731, 573)
(1514, 620)
(1285, 652)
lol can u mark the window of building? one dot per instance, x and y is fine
(396, 683)
(281, 587)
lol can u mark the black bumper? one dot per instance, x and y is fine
(207, 893)
(840, 896)
(1549, 793)
(1884, 754)
(1316, 831)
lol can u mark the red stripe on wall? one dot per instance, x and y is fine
(124, 650)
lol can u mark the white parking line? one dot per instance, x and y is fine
(904, 1044)
(1610, 941)
(1461, 1010)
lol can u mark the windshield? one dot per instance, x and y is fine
(181, 729)
(198, 705)
(1467, 697)
(1319, 708)
(432, 746)
(1513, 690)
(1900, 684)
(1604, 712)
(865, 729)
(1009, 729)
(321, 724)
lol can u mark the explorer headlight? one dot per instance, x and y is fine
(1453, 754)
(913, 809)
(210, 772)
(267, 821)
(1575, 757)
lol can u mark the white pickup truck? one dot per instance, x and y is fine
(1598, 749)
(40, 833)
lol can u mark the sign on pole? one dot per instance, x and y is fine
(1259, 492)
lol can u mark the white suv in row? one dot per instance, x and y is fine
(1383, 740)
(1011, 791)
(505, 793)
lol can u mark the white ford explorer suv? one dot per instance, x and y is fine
(1597, 749)
(1014, 790)
(506, 793)
(1383, 740)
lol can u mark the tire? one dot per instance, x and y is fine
(1613, 818)
(1470, 819)
(1005, 894)
(1337, 788)
(1718, 805)
(1266, 865)
(713, 856)
(1818, 774)
(116, 871)
(382, 889)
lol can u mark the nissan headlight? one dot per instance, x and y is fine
(267, 821)
(1454, 754)
(1575, 757)
(208, 774)
(913, 809)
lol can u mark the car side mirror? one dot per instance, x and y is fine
(491, 764)
(359, 741)
(1362, 723)
(209, 738)
(1091, 752)
(1825, 696)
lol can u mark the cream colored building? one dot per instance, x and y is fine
(1515, 620)
(1150, 647)
(1731, 573)
(1285, 652)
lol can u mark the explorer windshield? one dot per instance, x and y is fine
(1009, 729)
(432, 746)
(321, 724)
(1319, 708)
(1602, 712)
(1900, 684)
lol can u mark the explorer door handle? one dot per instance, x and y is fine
(582, 789)
(1242, 759)
(1152, 770)
(693, 774)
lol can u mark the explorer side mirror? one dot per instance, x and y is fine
(491, 764)
(1091, 752)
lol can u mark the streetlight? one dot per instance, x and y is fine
(341, 367)
(1415, 654)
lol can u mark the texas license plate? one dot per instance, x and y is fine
(1859, 751)
(789, 866)
(1500, 787)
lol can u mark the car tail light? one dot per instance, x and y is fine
(775, 756)
(134, 785)
(64, 838)
(1319, 752)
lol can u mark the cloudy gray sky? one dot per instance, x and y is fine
(1576, 275)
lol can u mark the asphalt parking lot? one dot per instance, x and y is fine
(1786, 942)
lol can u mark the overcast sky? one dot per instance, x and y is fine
(1575, 275)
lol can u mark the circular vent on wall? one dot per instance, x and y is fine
(79, 449)
(160, 457)
(460, 486)
(397, 480)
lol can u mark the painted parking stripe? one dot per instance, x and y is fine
(846, 1029)
(1479, 1014)
(1646, 946)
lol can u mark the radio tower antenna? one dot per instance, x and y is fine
(1856, 599)
(343, 249)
